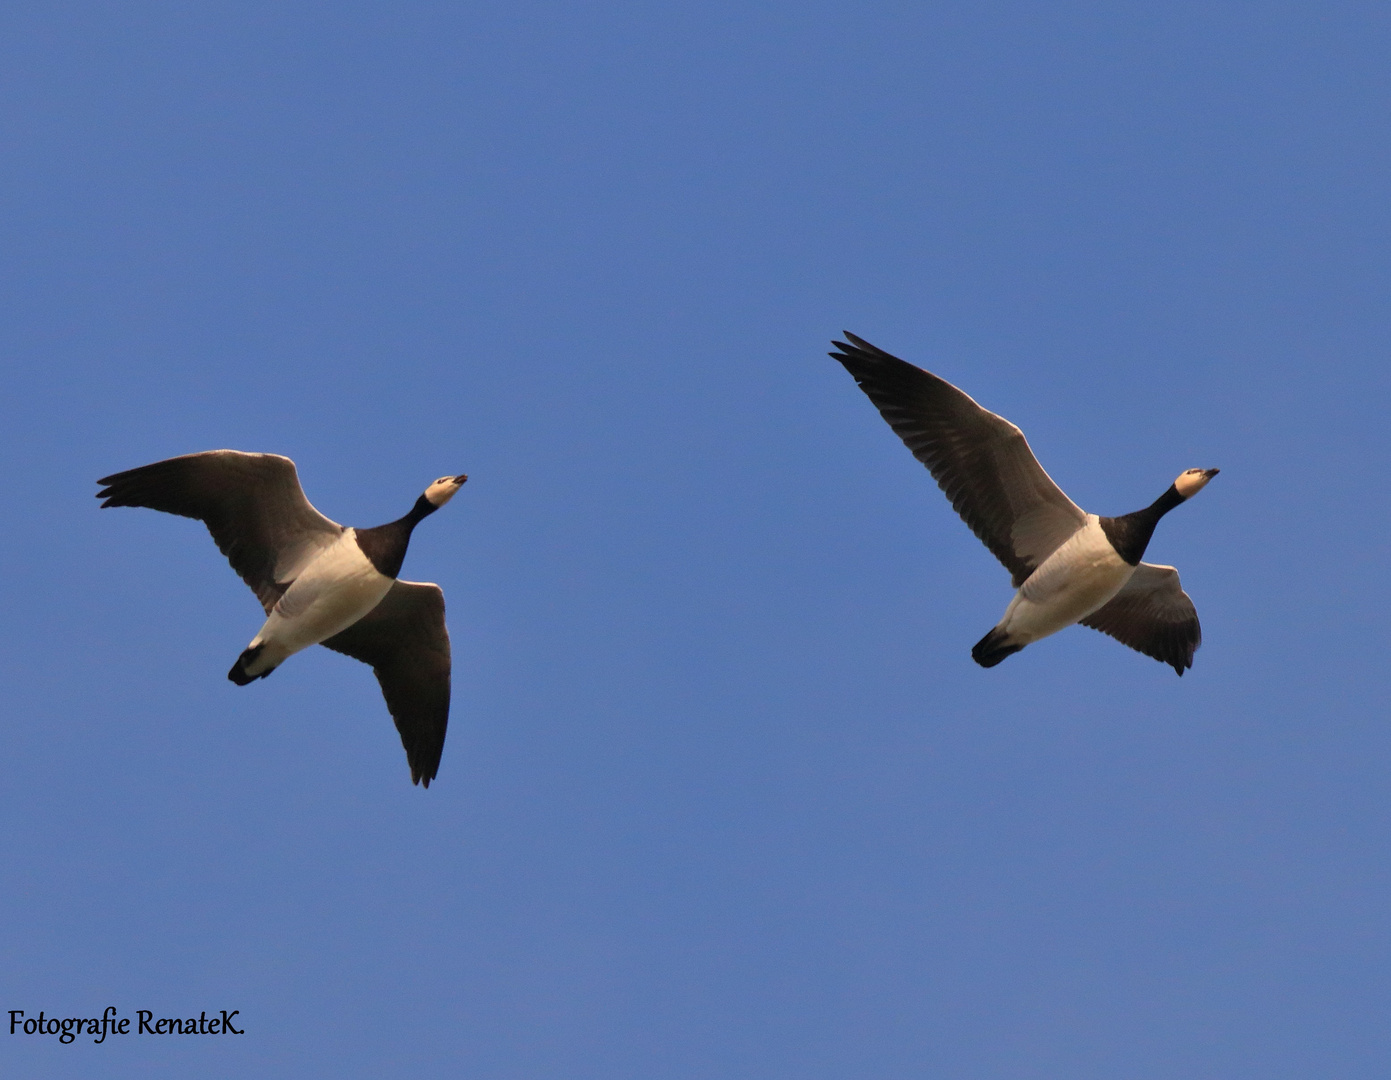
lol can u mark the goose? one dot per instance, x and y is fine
(319, 582)
(1067, 566)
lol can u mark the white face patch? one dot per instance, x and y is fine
(1193, 481)
(443, 489)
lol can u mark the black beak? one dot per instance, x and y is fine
(464, 476)
(1210, 473)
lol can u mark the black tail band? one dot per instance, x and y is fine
(991, 649)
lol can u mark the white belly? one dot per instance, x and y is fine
(1077, 579)
(332, 593)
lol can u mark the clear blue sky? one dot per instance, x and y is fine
(724, 795)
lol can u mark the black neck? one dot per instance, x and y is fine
(1130, 534)
(422, 509)
(385, 546)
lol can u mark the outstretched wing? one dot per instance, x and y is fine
(405, 641)
(251, 503)
(1153, 615)
(981, 461)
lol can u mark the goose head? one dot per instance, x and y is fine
(1192, 481)
(443, 489)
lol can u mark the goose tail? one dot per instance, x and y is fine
(240, 673)
(993, 648)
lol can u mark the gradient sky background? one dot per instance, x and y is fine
(724, 795)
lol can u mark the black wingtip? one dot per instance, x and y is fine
(851, 345)
(856, 349)
(421, 770)
(1182, 658)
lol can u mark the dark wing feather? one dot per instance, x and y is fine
(251, 503)
(405, 641)
(981, 461)
(1152, 615)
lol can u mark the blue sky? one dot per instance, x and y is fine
(724, 794)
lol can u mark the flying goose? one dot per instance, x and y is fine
(319, 582)
(1067, 565)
